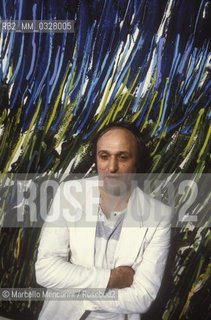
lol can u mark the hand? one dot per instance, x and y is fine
(121, 277)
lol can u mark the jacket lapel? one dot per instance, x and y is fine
(84, 229)
(133, 232)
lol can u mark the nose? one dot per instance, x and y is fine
(113, 165)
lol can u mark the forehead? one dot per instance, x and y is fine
(117, 139)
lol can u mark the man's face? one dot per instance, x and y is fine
(116, 159)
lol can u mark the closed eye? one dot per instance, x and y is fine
(123, 157)
(103, 156)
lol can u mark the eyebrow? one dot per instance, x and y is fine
(118, 153)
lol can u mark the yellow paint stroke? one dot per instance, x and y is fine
(140, 110)
(57, 102)
(10, 70)
(119, 107)
(152, 86)
(201, 111)
(13, 154)
(3, 205)
(106, 120)
(3, 117)
(148, 112)
(162, 136)
(65, 129)
(32, 123)
(124, 97)
(108, 117)
(32, 146)
(119, 93)
(24, 155)
(3, 178)
(200, 168)
(18, 116)
(161, 108)
(156, 159)
(205, 144)
(69, 89)
(44, 145)
(18, 248)
(6, 134)
(187, 302)
(133, 84)
(21, 137)
(5, 194)
(205, 276)
(57, 162)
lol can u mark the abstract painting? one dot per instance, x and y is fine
(144, 61)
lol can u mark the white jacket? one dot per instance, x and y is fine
(143, 245)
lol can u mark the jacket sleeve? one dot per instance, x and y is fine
(53, 268)
(149, 270)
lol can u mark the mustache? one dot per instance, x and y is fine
(116, 175)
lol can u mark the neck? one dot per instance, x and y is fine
(110, 202)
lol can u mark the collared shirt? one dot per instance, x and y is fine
(106, 239)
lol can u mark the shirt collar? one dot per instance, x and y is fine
(114, 217)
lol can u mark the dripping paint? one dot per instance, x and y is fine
(145, 61)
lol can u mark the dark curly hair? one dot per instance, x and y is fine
(144, 161)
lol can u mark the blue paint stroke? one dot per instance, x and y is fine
(191, 68)
(101, 18)
(197, 18)
(95, 126)
(138, 122)
(159, 58)
(53, 127)
(30, 103)
(12, 37)
(19, 84)
(123, 58)
(33, 57)
(48, 163)
(171, 78)
(37, 65)
(33, 45)
(47, 67)
(85, 59)
(187, 114)
(82, 84)
(35, 153)
(55, 65)
(141, 87)
(185, 56)
(46, 102)
(69, 80)
(19, 61)
(87, 114)
(123, 74)
(60, 66)
(127, 66)
(84, 65)
(4, 10)
(20, 9)
(198, 76)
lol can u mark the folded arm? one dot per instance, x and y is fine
(147, 279)
(53, 268)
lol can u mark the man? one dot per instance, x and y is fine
(111, 231)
